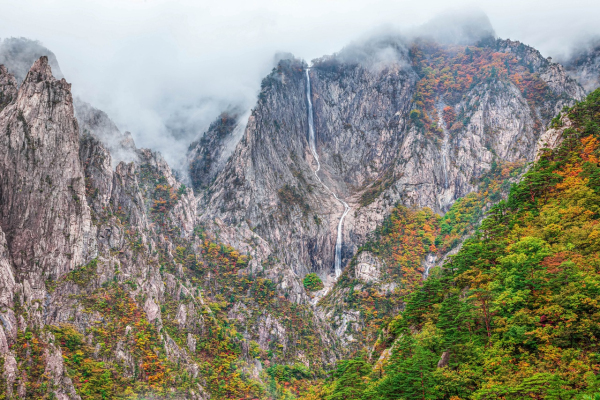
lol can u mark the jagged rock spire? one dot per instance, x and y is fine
(43, 211)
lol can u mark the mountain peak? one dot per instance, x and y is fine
(18, 54)
(40, 71)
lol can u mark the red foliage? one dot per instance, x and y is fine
(448, 72)
(449, 116)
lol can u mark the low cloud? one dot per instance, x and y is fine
(165, 69)
(465, 27)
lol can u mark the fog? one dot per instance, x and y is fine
(165, 69)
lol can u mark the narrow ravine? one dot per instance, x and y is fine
(313, 150)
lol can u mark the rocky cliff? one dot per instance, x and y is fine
(484, 325)
(268, 186)
(398, 122)
(108, 285)
(413, 122)
(118, 280)
(44, 215)
(93, 121)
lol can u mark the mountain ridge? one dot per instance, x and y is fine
(117, 280)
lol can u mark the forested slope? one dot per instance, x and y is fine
(515, 313)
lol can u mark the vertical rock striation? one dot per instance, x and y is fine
(43, 211)
(374, 153)
(44, 216)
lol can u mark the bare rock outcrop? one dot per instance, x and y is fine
(96, 123)
(45, 220)
(90, 238)
(371, 153)
(368, 267)
(43, 211)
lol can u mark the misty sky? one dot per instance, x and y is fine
(151, 63)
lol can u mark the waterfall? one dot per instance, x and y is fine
(428, 262)
(440, 109)
(313, 150)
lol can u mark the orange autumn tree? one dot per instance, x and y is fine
(448, 72)
(406, 237)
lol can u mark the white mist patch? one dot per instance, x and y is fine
(96, 122)
(232, 140)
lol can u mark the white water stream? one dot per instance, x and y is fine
(440, 109)
(313, 150)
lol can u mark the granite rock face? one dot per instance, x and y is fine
(44, 215)
(43, 211)
(8, 87)
(75, 224)
(268, 184)
(95, 122)
(62, 206)
(371, 154)
(8, 286)
(368, 267)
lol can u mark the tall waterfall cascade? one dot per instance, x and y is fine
(440, 109)
(313, 150)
